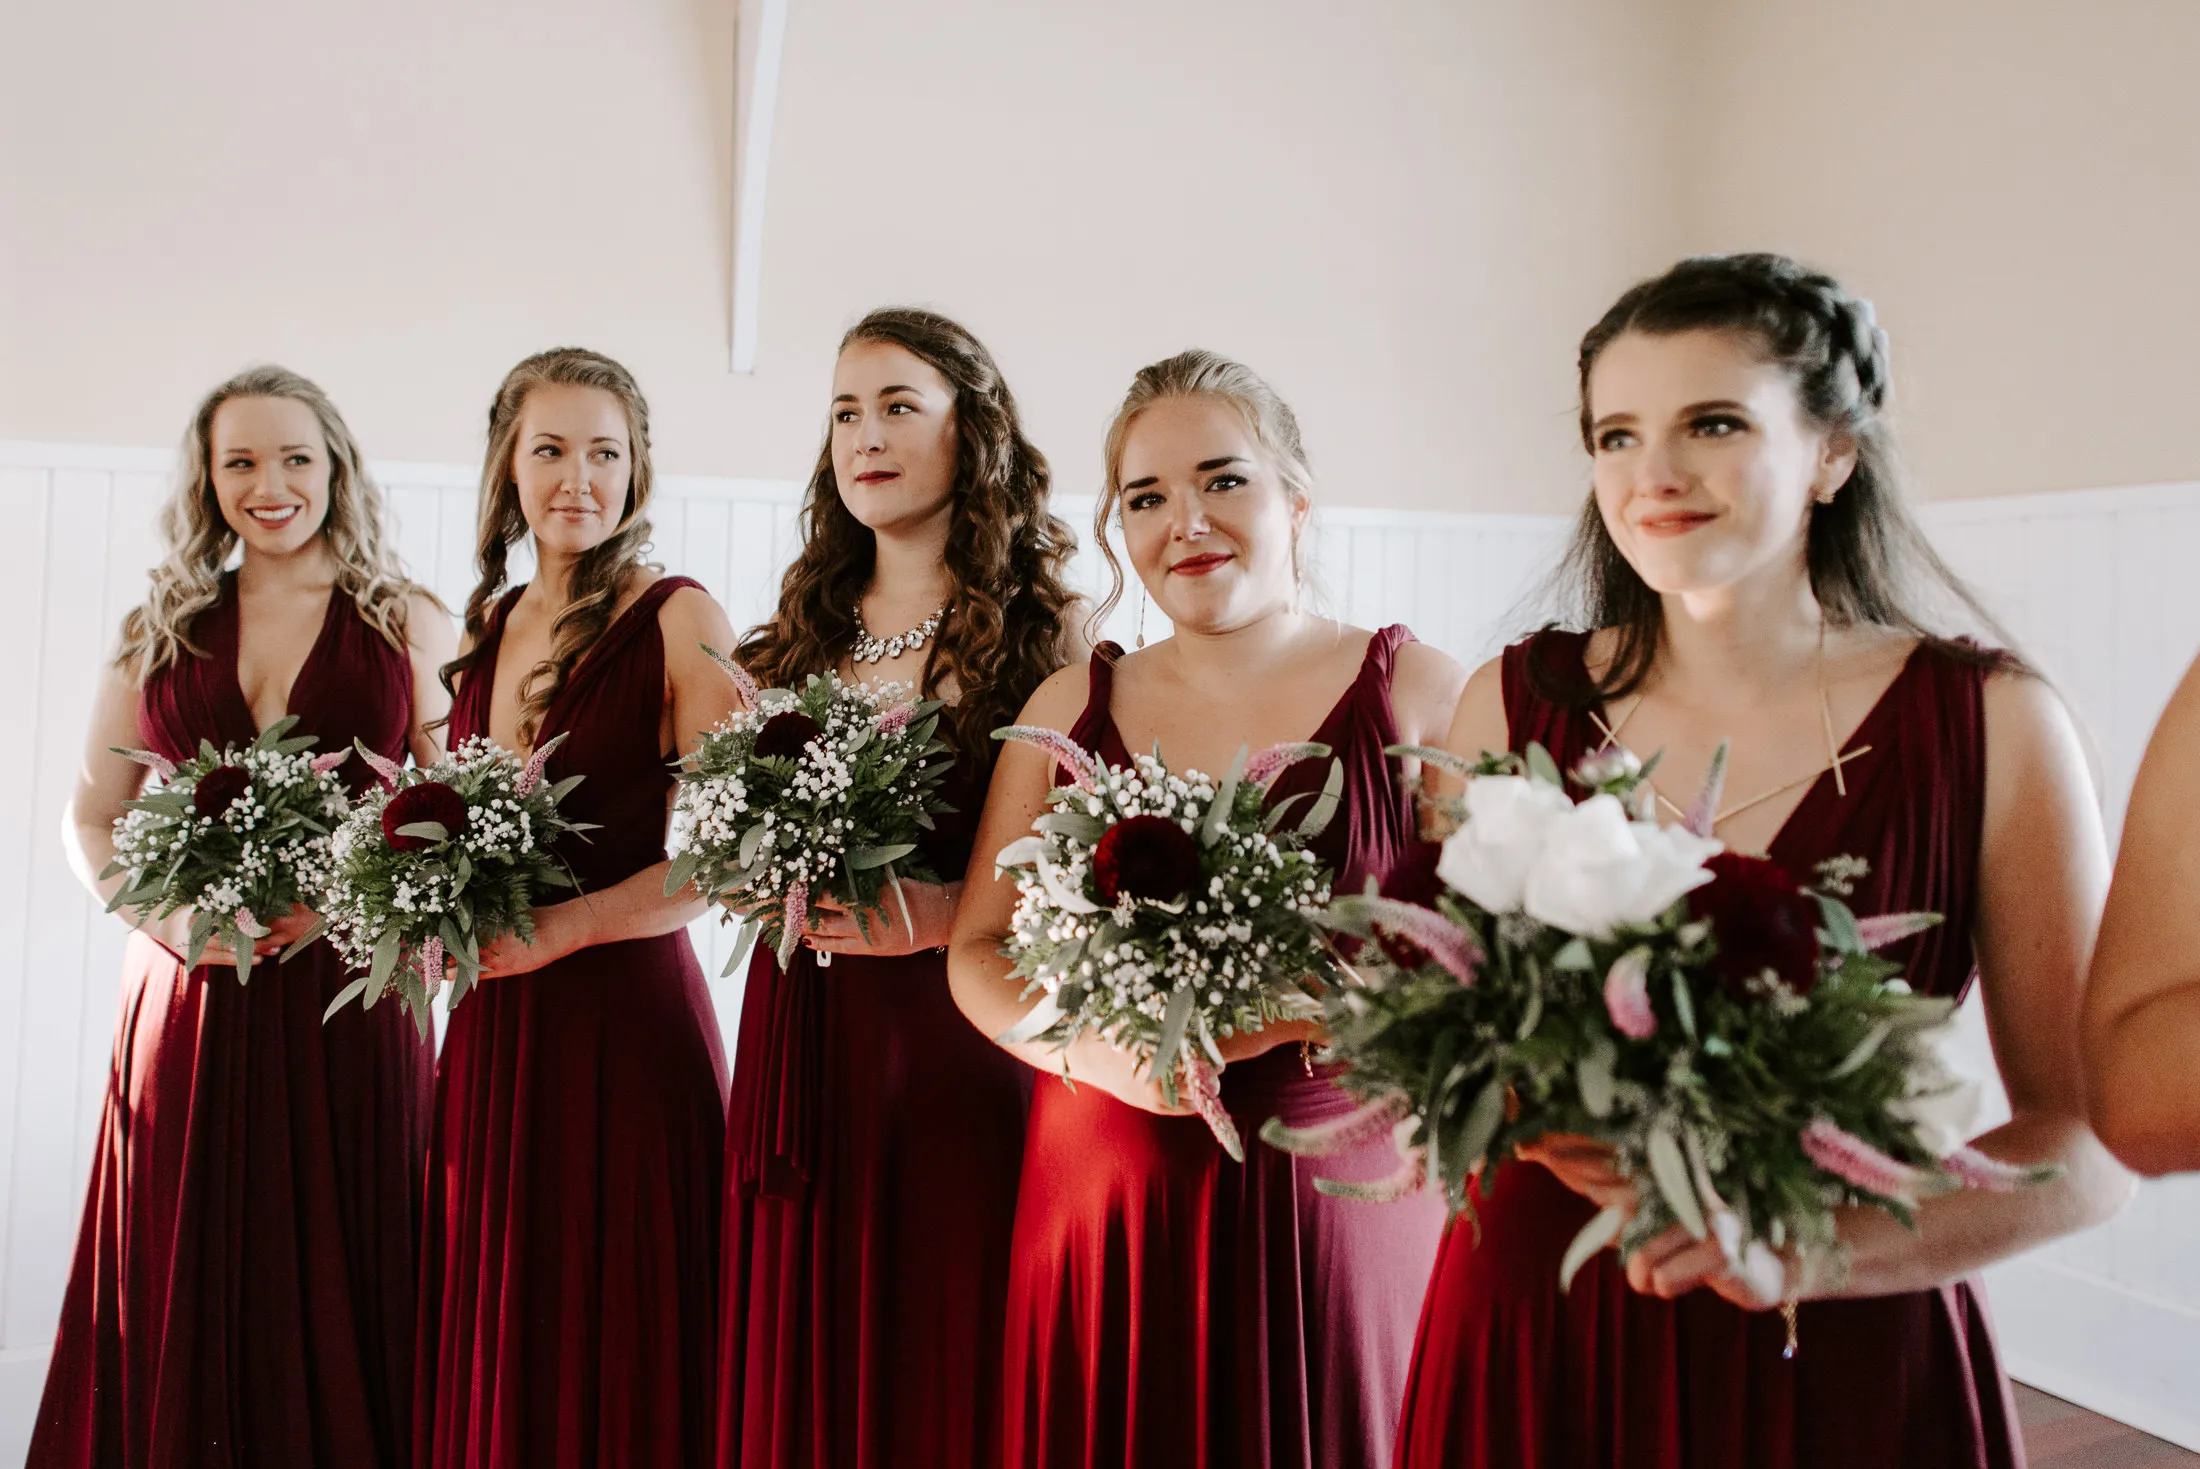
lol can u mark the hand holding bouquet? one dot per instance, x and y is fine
(435, 864)
(1164, 911)
(1731, 1036)
(805, 796)
(237, 836)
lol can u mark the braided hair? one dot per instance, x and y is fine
(601, 571)
(1869, 561)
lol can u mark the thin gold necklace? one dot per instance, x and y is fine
(1836, 761)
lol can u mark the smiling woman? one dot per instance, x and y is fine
(245, 1269)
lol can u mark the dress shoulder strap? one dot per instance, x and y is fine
(1092, 724)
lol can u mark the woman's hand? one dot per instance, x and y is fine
(173, 933)
(928, 924)
(1247, 1044)
(1585, 1166)
(1091, 1061)
(560, 929)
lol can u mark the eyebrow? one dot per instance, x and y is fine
(280, 449)
(543, 433)
(882, 392)
(1205, 466)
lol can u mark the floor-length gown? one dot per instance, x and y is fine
(872, 1152)
(1510, 1374)
(1169, 1306)
(570, 1254)
(242, 1292)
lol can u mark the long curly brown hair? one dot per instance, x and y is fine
(188, 580)
(601, 571)
(1008, 626)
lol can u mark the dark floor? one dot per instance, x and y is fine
(2060, 1435)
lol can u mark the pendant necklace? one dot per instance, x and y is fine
(1836, 760)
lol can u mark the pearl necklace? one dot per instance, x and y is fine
(869, 649)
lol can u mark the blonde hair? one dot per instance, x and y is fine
(601, 570)
(1198, 373)
(188, 580)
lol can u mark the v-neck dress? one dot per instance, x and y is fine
(1169, 1306)
(569, 1276)
(1511, 1374)
(242, 1291)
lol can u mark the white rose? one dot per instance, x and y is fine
(1487, 859)
(1943, 1102)
(1598, 870)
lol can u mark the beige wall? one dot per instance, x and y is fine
(1403, 211)
(2016, 183)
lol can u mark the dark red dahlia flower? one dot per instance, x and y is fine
(431, 800)
(1759, 920)
(785, 733)
(1145, 857)
(218, 787)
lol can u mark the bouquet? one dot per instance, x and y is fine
(799, 796)
(1164, 911)
(1734, 1037)
(435, 863)
(231, 834)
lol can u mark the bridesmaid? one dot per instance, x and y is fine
(874, 1141)
(572, 1216)
(1166, 1305)
(244, 1272)
(2142, 1009)
(1752, 573)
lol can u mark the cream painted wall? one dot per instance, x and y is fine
(1403, 211)
(2016, 183)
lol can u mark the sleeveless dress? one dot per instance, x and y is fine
(1169, 1306)
(872, 1152)
(570, 1261)
(1510, 1374)
(242, 1291)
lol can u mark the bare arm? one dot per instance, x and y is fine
(431, 643)
(2043, 867)
(978, 973)
(2142, 1008)
(698, 696)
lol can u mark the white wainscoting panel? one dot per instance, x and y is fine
(2092, 582)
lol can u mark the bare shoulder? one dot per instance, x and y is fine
(428, 626)
(690, 610)
(1425, 686)
(1056, 703)
(2028, 722)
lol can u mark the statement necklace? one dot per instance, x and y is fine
(869, 649)
(1836, 759)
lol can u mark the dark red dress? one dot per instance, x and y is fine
(242, 1291)
(872, 1150)
(1169, 1306)
(570, 1259)
(1510, 1374)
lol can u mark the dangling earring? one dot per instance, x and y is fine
(1141, 615)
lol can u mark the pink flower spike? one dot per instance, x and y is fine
(250, 926)
(1362, 1124)
(1451, 948)
(896, 719)
(533, 772)
(1085, 772)
(1703, 814)
(1975, 1169)
(1202, 1087)
(1627, 995)
(390, 771)
(323, 764)
(743, 683)
(1889, 928)
(794, 916)
(152, 760)
(431, 963)
(1276, 759)
(1859, 1164)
